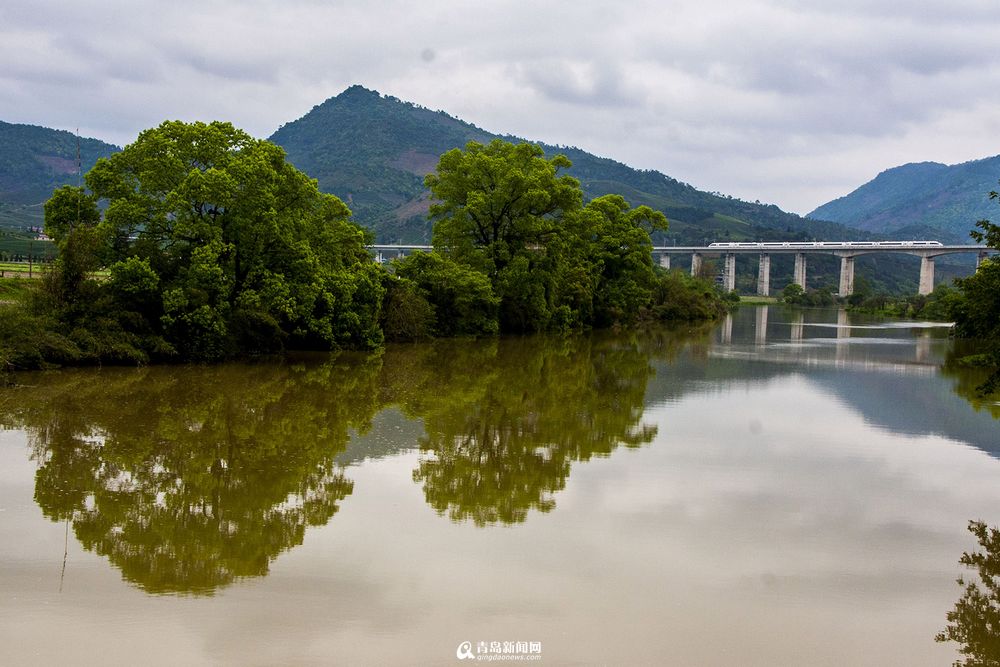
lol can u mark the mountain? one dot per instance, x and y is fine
(920, 200)
(373, 151)
(34, 161)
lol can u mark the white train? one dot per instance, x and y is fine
(828, 244)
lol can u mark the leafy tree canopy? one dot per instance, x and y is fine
(498, 199)
(504, 210)
(246, 253)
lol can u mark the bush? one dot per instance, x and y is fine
(679, 297)
(462, 298)
(406, 314)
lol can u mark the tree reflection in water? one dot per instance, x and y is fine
(504, 420)
(189, 478)
(970, 379)
(975, 621)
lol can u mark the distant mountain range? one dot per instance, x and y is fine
(924, 199)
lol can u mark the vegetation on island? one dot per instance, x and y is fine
(200, 243)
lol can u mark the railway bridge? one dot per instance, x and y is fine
(727, 252)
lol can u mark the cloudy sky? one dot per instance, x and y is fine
(792, 102)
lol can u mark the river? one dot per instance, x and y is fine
(788, 487)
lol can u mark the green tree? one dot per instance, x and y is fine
(977, 314)
(248, 255)
(505, 210)
(494, 201)
(71, 220)
(462, 298)
(621, 251)
(792, 293)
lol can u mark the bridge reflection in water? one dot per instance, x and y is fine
(818, 340)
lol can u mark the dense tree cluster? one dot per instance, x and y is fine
(552, 262)
(199, 242)
(977, 312)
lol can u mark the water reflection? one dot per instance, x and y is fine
(504, 420)
(787, 494)
(189, 478)
(968, 379)
(974, 622)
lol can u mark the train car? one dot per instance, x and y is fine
(826, 244)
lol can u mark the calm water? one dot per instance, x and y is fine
(782, 489)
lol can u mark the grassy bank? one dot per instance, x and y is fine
(14, 290)
(755, 300)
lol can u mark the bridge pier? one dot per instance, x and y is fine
(843, 333)
(923, 348)
(665, 261)
(926, 275)
(799, 276)
(760, 326)
(980, 256)
(846, 275)
(696, 264)
(764, 276)
(798, 324)
(729, 272)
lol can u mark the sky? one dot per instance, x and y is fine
(790, 102)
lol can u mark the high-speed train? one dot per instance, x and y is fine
(826, 244)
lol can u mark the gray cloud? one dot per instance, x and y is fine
(788, 101)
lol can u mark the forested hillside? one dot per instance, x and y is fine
(34, 161)
(373, 151)
(925, 200)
